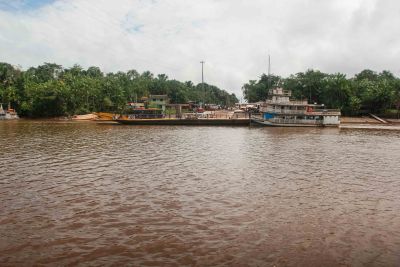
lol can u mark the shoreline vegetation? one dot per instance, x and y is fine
(367, 92)
(49, 90)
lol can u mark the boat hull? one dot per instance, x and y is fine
(199, 122)
(9, 117)
(272, 124)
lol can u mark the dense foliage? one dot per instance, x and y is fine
(51, 90)
(366, 92)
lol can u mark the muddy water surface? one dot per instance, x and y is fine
(89, 194)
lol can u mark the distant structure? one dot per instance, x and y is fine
(158, 101)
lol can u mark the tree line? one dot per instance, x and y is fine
(366, 92)
(50, 90)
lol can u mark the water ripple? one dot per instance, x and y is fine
(90, 194)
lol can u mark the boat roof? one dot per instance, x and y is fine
(293, 103)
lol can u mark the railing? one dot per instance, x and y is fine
(280, 92)
(145, 116)
(291, 103)
(293, 121)
(334, 112)
(305, 112)
(326, 110)
(228, 115)
(286, 111)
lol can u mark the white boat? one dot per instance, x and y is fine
(9, 114)
(280, 110)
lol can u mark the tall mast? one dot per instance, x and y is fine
(202, 83)
(269, 71)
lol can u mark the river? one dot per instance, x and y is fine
(111, 195)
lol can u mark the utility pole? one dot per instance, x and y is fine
(269, 71)
(202, 83)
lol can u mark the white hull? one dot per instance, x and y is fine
(273, 124)
(8, 116)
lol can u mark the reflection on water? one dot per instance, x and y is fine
(90, 194)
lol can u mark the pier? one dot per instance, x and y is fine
(199, 122)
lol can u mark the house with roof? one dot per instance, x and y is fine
(158, 101)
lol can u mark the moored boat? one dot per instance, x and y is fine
(9, 114)
(280, 110)
(185, 121)
(153, 116)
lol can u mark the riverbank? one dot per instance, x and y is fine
(366, 120)
(368, 123)
(395, 127)
(346, 122)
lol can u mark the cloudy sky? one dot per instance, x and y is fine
(233, 37)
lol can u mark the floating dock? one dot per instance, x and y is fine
(199, 122)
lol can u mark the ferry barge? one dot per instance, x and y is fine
(280, 110)
(154, 116)
(173, 121)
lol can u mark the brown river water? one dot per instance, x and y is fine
(87, 194)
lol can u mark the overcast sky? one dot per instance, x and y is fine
(233, 37)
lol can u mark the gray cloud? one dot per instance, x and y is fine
(232, 36)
